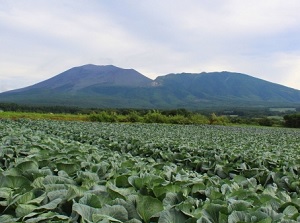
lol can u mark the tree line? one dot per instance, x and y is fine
(172, 116)
(292, 120)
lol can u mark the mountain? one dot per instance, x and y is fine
(230, 87)
(113, 87)
(88, 75)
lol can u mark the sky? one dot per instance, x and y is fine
(42, 38)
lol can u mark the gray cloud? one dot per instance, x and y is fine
(42, 38)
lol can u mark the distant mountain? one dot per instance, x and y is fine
(81, 77)
(229, 86)
(113, 87)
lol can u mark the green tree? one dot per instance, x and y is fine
(292, 120)
(155, 117)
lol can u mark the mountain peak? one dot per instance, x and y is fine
(88, 75)
(94, 67)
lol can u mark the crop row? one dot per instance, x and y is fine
(99, 172)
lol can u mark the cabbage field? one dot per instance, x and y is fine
(56, 171)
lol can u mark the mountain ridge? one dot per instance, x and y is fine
(110, 86)
(95, 74)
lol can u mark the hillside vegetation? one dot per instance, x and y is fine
(112, 87)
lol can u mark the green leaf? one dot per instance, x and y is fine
(122, 181)
(86, 212)
(266, 220)
(198, 187)
(238, 205)
(28, 166)
(290, 210)
(148, 206)
(204, 219)
(74, 191)
(24, 209)
(91, 200)
(148, 180)
(161, 190)
(170, 200)
(51, 205)
(213, 193)
(14, 182)
(25, 198)
(172, 216)
(47, 216)
(190, 207)
(273, 214)
(51, 179)
(54, 187)
(19, 199)
(55, 194)
(133, 221)
(213, 211)
(129, 205)
(238, 179)
(8, 219)
(37, 200)
(31, 215)
(38, 182)
(69, 168)
(239, 216)
(116, 211)
(5, 192)
(116, 192)
(100, 218)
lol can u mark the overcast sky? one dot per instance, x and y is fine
(42, 38)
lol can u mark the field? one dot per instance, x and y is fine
(59, 171)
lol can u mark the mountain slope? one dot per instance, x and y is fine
(84, 76)
(229, 85)
(113, 87)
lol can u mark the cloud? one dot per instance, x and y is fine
(288, 66)
(42, 38)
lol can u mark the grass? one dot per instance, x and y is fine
(47, 116)
(152, 117)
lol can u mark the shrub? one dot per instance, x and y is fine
(104, 117)
(199, 119)
(292, 120)
(179, 119)
(265, 122)
(218, 120)
(155, 117)
(133, 116)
